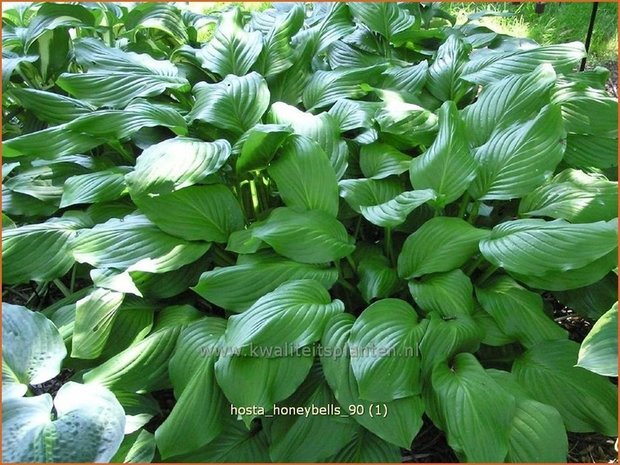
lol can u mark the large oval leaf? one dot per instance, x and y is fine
(448, 167)
(305, 177)
(384, 354)
(135, 244)
(32, 349)
(308, 237)
(599, 350)
(404, 420)
(176, 163)
(195, 213)
(291, 316)
(535, 246)
(586, 401)
(87, 417)
(440, 244)
(474, 411)
(256, 277)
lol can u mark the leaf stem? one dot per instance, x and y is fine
(62, 288)
(351, 263)
(463, 206)
(73, 274)
(473, 215)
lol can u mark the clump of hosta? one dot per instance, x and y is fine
(320, 230)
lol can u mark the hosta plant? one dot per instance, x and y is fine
(301, 234)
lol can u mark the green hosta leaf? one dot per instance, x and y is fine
(120, 124)
(176, 316)
(380, 160)
(87, 417)
(49, 143)
(326, 87)
(50, 107)
(139, 409)
(333, 22)
(513, 98)
(446, 70)
(290, 84)
(94, 317)
(161, 16)
(586, 152)
(32, 350)
(377, 278)
(599, 350)
(135, 244)
(404, 420)
(586, 401)
(132, 323)
(256, 277)
(447, 167)
(341, 55)
(586, 110)
(559, 280)
(366, 447)
(267, 380)
(575, 196)
(237, 443)
(440, 244)
(115, 77)
(474, 411)
(243, 242)
(395, 211)
(293, 315)
(258, 146)
(98, 187)
(359, 193)
(289, 433)
(448, 293)
(407, 125)
(44, 182)
(305, 177)
(408, 80)
(232, 50)
(206, 213)
(353, 114)
(275, 56)
(196, 418)
(142, 366)
(387, 19)
(518, 312)
(12, 62)
(39, 252)
(52, 16)
(171, 283)
(235, 104)
(175, 164)
(322, 128)
(519, 158)
(535, 247)
(537, 432)
(445, 337)
(498, 65)
(137, 447)
(384, 353)
(308, 237)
